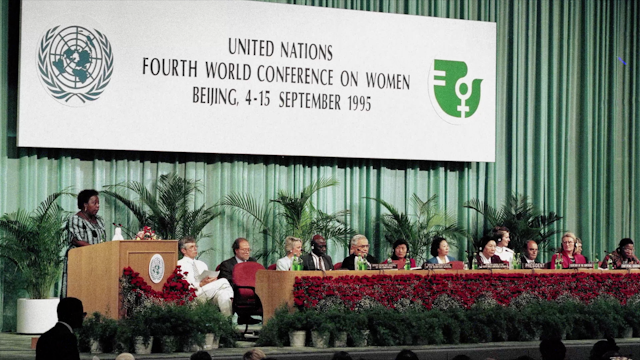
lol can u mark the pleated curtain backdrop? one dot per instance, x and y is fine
(567, 135)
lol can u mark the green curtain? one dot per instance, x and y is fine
(566, 135)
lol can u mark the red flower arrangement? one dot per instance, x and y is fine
(147, 234)
(464, 288)
(135, 290)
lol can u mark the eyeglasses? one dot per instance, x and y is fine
(245, 250)
(363, 247)
(567, 242)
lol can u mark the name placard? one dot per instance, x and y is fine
(494, 266)
(581, 266)
(384, 267)
(428, 266)
(630, 266)
(246, 77)
(533, 266)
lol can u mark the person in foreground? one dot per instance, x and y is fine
(84, 228)
(242, 252)
(209, 288)
(487, 254)
(400, 253)
(293, 246)
(318, 258)
(406, 355)
(552, 349)
(501, 235)
(530, 253)
(440, 251)
(622, 255)
(200, 355)
(604, 348)
(569, 256)
(59, 342)
(360, 246)
(254, 354)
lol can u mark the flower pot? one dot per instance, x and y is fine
(95, 347)
(168, 344)
(340, 339)
(320, 340)
(211, 341)
(140, 347)
(627, 333)
(297, 338)
(36, 316)
(362, 342)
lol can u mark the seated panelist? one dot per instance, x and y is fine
(487, 254)
(569, 256)
(400, 252)
(360, 247)
(440, 251)
(208, 288)
(622, 255)
(318, 258)
(293, 247)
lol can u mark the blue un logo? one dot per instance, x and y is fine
(75, 64)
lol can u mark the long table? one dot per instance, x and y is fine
(275, 288)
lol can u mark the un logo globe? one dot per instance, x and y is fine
(75, 64)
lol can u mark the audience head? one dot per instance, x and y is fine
(293, 245)
(88, 201)
(552, 349)
(127, 356)
(531, 250)
(501, 235)
(318, 245)
(241, 249)
(188, 247)
(524, 357)
(406, 355)
(439, 247)
(70, 311)
(569, 243)
(461, 357)
(488, 246)
(341, 355)
(602, 347)
(360, 245)
(578, 249)
(625, 248)
(400, 249)
(200, 355)
(254, 354)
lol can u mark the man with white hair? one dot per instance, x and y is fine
(208, 288)
(359, 247)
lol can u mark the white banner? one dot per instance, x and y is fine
(255, 78)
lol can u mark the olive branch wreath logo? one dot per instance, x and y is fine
(48, 76)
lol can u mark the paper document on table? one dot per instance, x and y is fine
(207, 273)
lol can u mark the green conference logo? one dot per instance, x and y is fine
(452, 92)
(75, 64)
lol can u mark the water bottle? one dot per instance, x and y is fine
(558, 261)
(474, 262)
(610, 263)
(407, 264)
(595, 263)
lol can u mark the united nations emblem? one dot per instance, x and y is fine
(156, 268)
(75, 63)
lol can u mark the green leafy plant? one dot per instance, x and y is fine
(524, 220)
(166, 208)
(420, 228)
(207, 319)
(35, 242)
(101, 329)
(289, 215)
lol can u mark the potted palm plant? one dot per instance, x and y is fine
(35, 242)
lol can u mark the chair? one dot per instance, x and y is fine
(337, 266)
(272, 267)
(245, 300)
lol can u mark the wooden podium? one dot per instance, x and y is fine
(94, 271)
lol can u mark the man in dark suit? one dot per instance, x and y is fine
(360, 247)
(318, 259)
(530, 253)
(60, 342)
(242, 251)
